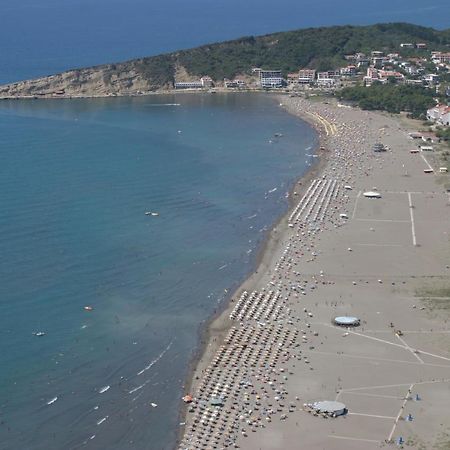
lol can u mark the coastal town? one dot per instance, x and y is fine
(425, 68)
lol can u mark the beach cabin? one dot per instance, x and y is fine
(428, 170)
(443, 170)
(426, 148)
(414, 150)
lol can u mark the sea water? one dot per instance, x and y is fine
(76, 179)
(41, 37)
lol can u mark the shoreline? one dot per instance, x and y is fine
(225, 361)
(212, 333)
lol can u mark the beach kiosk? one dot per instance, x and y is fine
(346, 321)
(329, 408)
(372, 194)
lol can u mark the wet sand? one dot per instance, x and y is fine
(275, 347)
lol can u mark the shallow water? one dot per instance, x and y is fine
(76, 177)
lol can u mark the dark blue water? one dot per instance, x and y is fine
(40, 37)
(76, 178)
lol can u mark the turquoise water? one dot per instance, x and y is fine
(76, 178)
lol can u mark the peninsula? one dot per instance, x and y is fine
(271, 61)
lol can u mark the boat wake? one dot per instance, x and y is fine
(153, 362)
(164, 104)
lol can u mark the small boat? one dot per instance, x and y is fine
(39, 333)
(103, 389)
(278, 135)
(151, 213)
(53, 400)
(88, 308)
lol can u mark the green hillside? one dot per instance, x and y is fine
(319, 48)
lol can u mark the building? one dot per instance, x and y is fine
(382, 76)
(306, 76)
(439, 114)
(189, 85)
(371, 76)
(327, 408)
(348, 71)
(207, 82)
(378, 60)
(327, 78)
(271, 78)
(204, 83)
(292, 78)
(431, 78)
(440, 57)
(234, 84)
(421, 45)
(415, 82)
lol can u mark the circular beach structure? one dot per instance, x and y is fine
(346, 321)
(329, 407)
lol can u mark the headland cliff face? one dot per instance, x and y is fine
(100, 81)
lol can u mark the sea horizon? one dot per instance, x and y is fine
(52, 37)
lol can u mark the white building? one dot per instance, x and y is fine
(271, 78)
(204, 82)
(188, 85)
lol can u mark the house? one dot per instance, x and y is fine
(431, 78)
(271, 78)
(407, 45)
(421, 45)
(382, 76)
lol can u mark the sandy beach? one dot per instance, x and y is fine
(276, 349)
